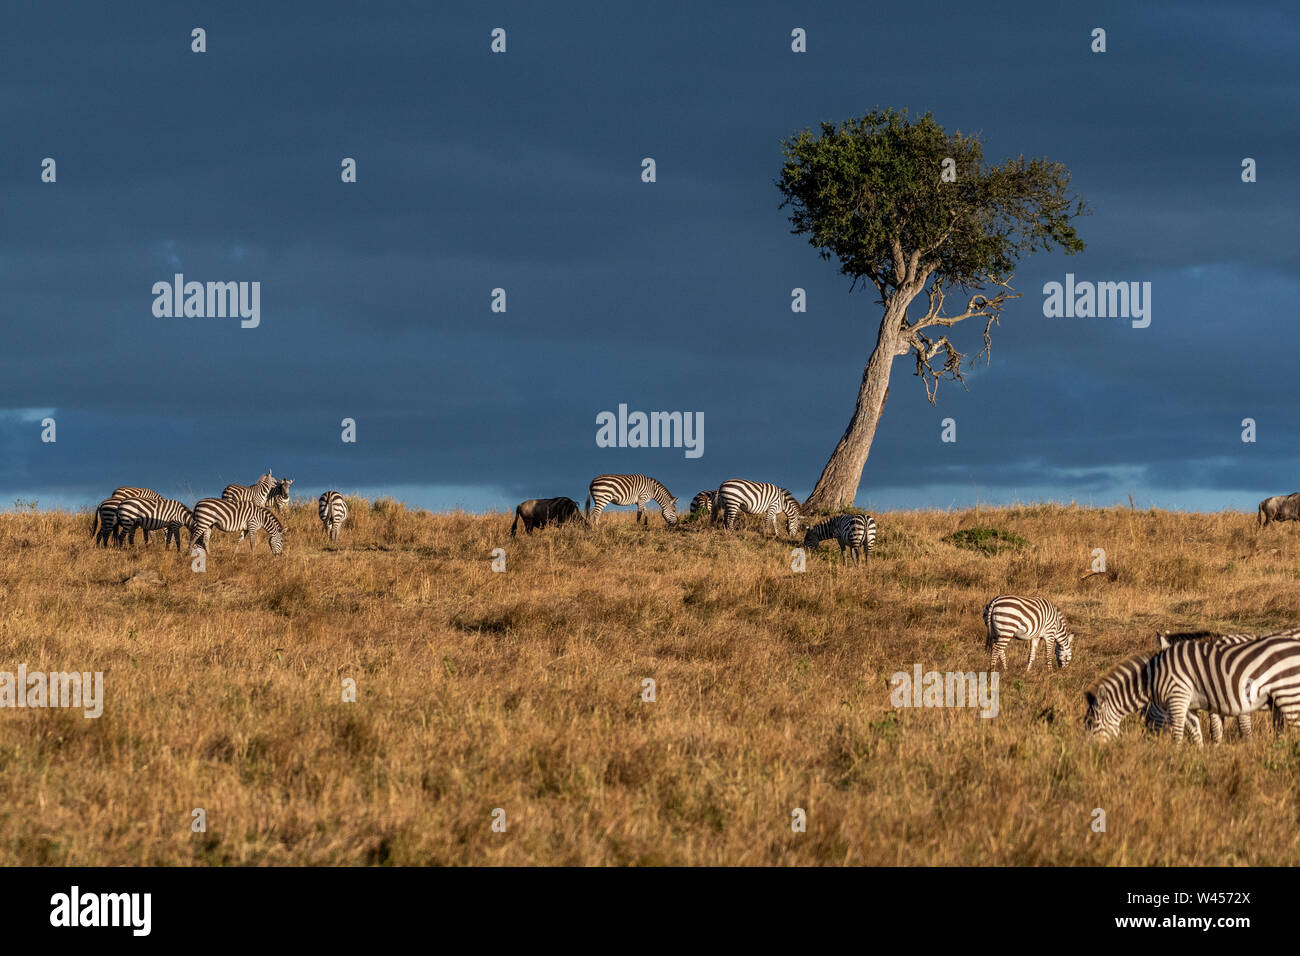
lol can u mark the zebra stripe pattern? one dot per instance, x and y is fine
(854, 533)
(702, 502)
(333, 511)
(278, 496)
(636, 490)
(166, 515)
(256, 493)
(1227, 677)
(738, 495)
(1026, 619)
(242, 516)
(1126, 689)
(102, 524)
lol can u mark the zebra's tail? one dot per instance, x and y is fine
(94, 523)
(515, 527)
(988, 626)
(586, 508)
(1259, 520)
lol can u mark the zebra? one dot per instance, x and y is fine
(636, 490)
(702, 502)
(1244, 722)
(756, 498)
(278, 496)
(1026, 619)
(855, 533)
(105, 514)
(333, 511)
(242, 516)
(1126, 688)
(257, 493)
(1229, 678)
(166, 515)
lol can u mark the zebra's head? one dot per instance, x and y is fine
(1103, 716)
(1064, 650)
(276, 534)
(670, 511)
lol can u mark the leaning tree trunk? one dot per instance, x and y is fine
(838, 486)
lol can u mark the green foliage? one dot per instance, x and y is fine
(988, 541)
(859, 188)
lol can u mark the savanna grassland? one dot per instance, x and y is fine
(522, 691)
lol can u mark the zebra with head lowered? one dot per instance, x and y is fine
(333, 511)
(1026, 619)
(1222, 676)
(256, 493)
(737, 495)
(103, 523)
(242, 516)
(853, 533)
(165, 515)
(636, 490)
(702, 502)
(1126, 689)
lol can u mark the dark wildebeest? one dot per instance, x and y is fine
(1279, 508)
(539, 512)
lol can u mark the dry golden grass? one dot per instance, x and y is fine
(521, 690)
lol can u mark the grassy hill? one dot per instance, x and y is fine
(521, 690)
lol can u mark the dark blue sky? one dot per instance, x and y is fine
(522, 171)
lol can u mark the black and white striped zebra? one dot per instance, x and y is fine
(278, 496)
(1126, 689)
(333, 511)
(737, 495)
(636, 490)
(255, 493)
(242, 516)
(702, 502)
(1156, 717)
(103, 522)
(1026, 619)
(166, 515)
(855, 534)
(1226, 678)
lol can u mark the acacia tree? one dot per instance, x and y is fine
(909, 209)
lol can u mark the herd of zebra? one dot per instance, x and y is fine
(855, 533)
(247, 509)
(1226, 675)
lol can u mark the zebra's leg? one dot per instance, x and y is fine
(844, 555)
(1178, 707)
(1033, 650)
(1194, 729)
(1216, 728)
(1245, 726)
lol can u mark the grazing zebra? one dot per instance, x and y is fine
(702, 502)
(166, 515)
(278, 496)
(257, 493)
(1026, 619)
(1244, 723)
(636, 490)
(333, 511)
(854, 533)
(756, 498)
(242, 516)
(102, 510)
(1220, 676)
(105, 521)
(1126, 688)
